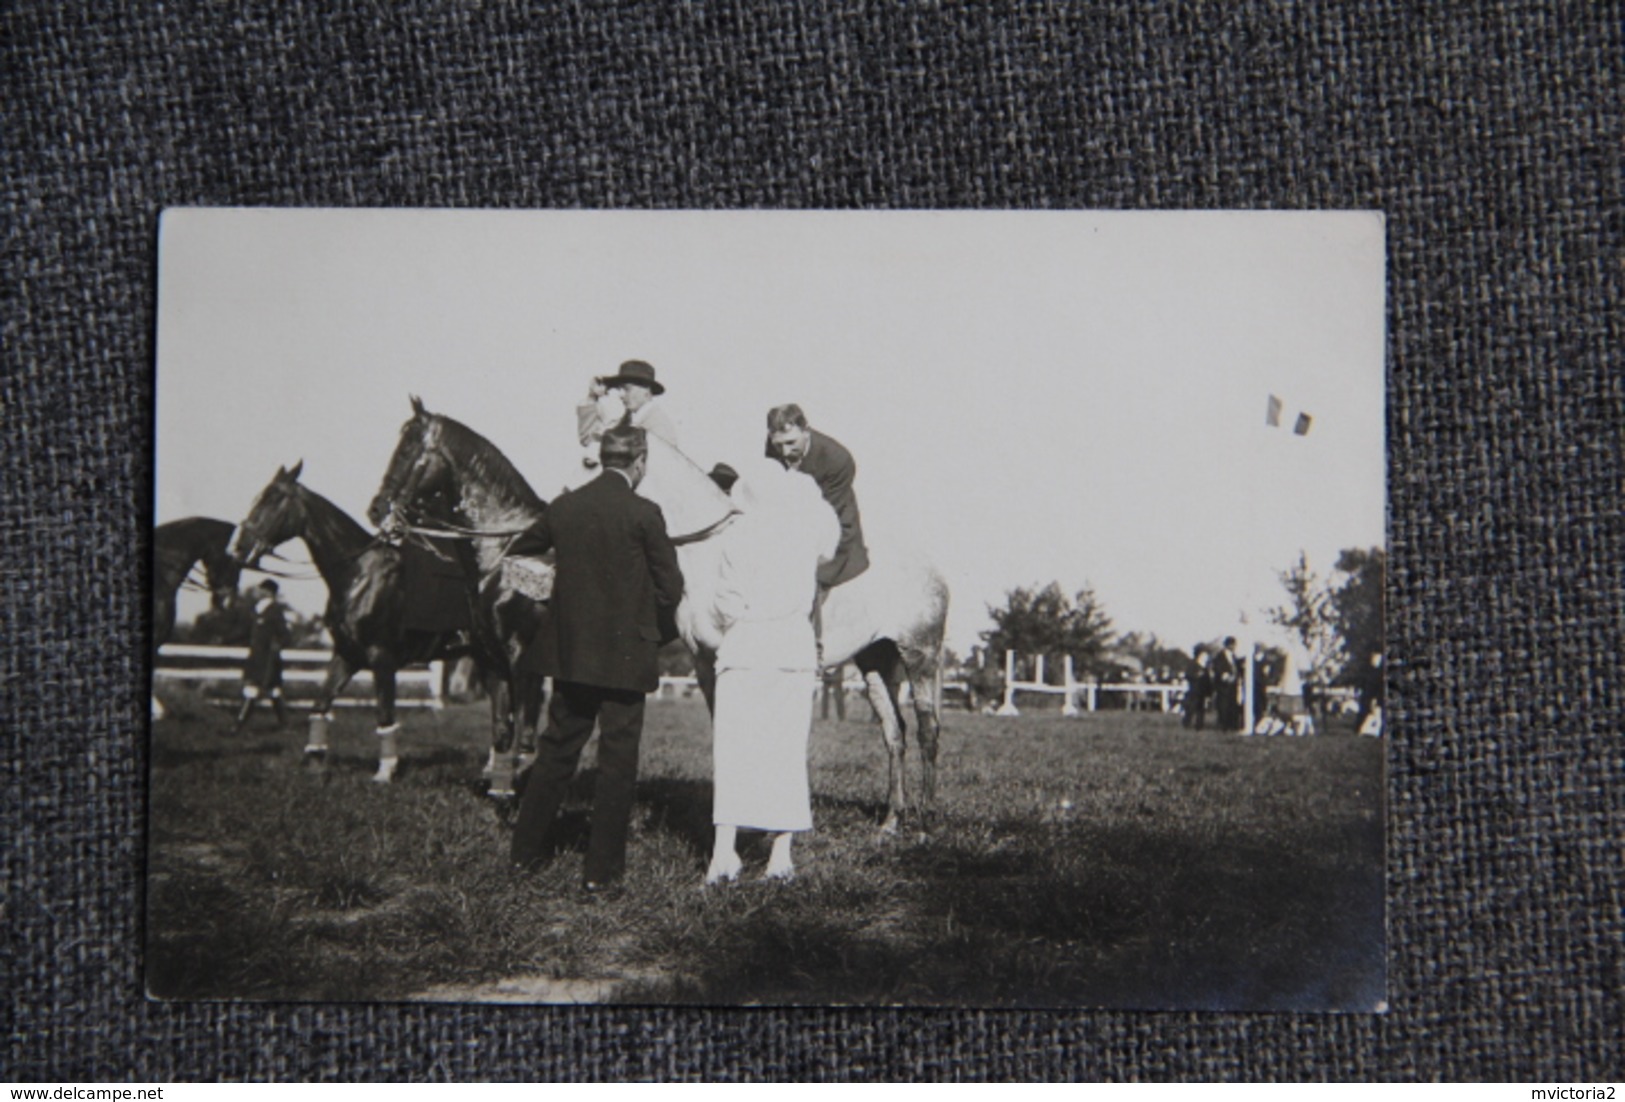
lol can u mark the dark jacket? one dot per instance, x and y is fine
(833, 468)
(266, 638)
(617, 573)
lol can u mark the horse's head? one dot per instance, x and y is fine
(420, 469)
(277, 516)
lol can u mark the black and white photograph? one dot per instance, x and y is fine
(765, 608)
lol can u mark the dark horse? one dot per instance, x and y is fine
(370, 603)
(177, 547)
(447, 476)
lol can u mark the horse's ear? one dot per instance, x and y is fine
(417, 405)
(293, 475)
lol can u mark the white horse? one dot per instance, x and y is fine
(888, 621)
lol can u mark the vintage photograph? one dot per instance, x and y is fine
(762, 608)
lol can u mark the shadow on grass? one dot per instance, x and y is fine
(211, 746)
(1127, 917)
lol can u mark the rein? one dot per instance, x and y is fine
(706, 533)
(451, 531)
(458, 532)
(191, 583)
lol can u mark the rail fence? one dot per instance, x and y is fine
(415, 686)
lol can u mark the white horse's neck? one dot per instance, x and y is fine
(701, 562)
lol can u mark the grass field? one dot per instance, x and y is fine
(1108, 860)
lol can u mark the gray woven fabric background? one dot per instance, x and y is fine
(1491, 138)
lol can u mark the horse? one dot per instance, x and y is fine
(889, 621)
(177, 547)
(369, 610)
(445, 475)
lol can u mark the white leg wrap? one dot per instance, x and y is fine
(501, 775)
(316, 732)
(389, 754)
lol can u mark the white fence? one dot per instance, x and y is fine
(207, 665)
(1072, 691)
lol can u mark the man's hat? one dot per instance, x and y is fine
(724, 476)
(635, 371)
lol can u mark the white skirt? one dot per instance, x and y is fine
(759, 746)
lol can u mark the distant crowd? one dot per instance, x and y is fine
(1285, 700)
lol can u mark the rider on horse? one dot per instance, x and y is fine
(801, 448)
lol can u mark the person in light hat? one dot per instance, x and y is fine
(628, 395)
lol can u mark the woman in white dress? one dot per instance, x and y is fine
(766, 664)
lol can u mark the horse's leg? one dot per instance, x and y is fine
(389, 747)
(501, 765)
(339, 673)
(532, 695)
(493, 697)
(882, 697)
(925, 678)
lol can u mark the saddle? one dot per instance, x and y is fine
(436, 592)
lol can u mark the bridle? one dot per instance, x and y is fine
(400, 520)
(264, 547)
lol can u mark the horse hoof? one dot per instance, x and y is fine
(386, 772)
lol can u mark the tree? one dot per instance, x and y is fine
(1047, 622)
(1309, 615)
(1159, 660)
(1357, 607)
(1339, 622)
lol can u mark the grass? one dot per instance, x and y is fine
(1108, 860)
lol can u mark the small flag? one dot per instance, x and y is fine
(1272, 417)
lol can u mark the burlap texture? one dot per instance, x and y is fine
(1490, 137)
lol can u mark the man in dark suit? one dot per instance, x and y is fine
(801, 448)
(617, 579)
(1227, 674)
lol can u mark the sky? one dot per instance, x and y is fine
(1030, 396)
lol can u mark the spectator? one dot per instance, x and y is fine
(262, 673)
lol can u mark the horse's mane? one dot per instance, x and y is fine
(179, 543)
(347, 526)
(486, 463)
(192, 532)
